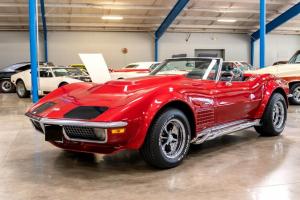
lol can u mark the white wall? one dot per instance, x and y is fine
(278, 47)
(14, 47)
(65, 46)
(236, 45)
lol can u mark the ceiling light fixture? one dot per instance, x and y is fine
(112, 17)
(227, 20)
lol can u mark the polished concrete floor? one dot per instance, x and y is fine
(240, 166)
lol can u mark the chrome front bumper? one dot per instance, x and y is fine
(43, 122)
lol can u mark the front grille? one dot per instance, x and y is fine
(37, 125)
(85, 133)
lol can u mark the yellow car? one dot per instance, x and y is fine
(79, 66)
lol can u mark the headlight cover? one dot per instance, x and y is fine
(43, 107)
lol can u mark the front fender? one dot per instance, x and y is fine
(149, 113)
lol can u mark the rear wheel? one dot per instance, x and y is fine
(6, 86)
(168, 140)
(295, 91)
(22, 92)
(274, 118)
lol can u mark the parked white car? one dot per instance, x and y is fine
(50, 78)
(134, 70)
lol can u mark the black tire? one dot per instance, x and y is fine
(155, 147)
(21, 90)
(295, 91)
(62, 84)
(272, 124)
(6, 86)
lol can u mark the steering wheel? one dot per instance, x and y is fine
(238, 74)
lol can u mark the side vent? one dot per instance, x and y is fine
(205, 118)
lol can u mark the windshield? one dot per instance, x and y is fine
(295, 59)
(68, 72)
(196, 68)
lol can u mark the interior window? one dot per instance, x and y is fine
(45, 73)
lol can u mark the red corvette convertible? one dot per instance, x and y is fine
(183, 101)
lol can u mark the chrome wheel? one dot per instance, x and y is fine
(296, 94)
(21, 90)
(278, 114)
(6, 86)
(172, 138)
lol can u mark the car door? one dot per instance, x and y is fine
(234, 97)
(46, 79)
(231, 101)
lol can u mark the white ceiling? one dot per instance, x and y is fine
(147, 15)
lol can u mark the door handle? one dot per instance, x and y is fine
(228, 84)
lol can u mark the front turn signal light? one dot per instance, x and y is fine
(117, 130)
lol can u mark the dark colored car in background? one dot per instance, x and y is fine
(6, 86)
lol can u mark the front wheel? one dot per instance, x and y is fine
(295, 91)
(22, 92)
(168, 140)
(274, 118)
(6, 86)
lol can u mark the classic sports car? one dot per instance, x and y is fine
(289, 72)
(134, 70)
(183, 101)
(50, 78)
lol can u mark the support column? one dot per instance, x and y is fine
(33, 32)
(262, 33)
(252, 51)
(156, 49)
(45, 32)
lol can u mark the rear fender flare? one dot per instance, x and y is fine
(270, 88)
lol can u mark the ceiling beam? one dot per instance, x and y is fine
(159, 17)
(278, 21)
(180, 26)
(255, 2)
(137, 7)
(175, 11)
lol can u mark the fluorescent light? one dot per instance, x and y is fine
(227, 20)
(112, 17)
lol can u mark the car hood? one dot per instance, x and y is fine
(284, 70)
(116, 93)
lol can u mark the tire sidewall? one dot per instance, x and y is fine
(162, 120)
(292, 99)
(4, 90)
(278, 97)
(17, 90)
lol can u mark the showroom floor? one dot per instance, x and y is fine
(240, 166)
